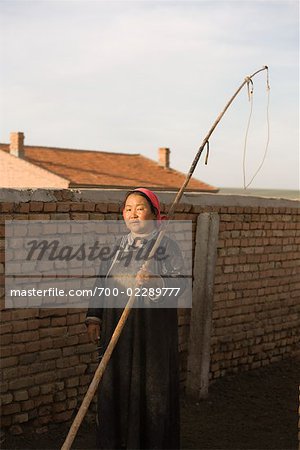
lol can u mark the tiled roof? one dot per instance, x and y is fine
(105, 169)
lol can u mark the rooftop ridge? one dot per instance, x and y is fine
(33, 147)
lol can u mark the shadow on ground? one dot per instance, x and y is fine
(252, 410)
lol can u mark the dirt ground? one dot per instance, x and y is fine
(252, 410)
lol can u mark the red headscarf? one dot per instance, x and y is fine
(153, 200)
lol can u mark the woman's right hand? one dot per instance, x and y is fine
(93, 330)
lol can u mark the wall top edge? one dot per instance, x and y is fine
(117, 196)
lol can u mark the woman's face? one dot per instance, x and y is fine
(138, 215)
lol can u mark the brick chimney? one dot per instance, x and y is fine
(164, 157)
(16, 146)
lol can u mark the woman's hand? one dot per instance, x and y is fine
(93, 330)
(146, 278)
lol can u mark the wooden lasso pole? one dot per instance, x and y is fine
(117, 332)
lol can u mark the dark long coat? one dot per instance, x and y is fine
(138, 397)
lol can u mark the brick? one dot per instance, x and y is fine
(5, 328)
(28, 358)
(70, 371)
(72, 403)
(58, 321)
(50, 354)
(59, 342)
(3, 387)
(86, 358)
(33, 346)
(76, 206)
(72, 319)
(53, 331)
(77, 329)
(67, 361)
(45, 410)
(44, 322)
(18, 326)
(5, 351)
(26, 336)
(71, 382)
(37, 216)
(6, 398)
(43, 400)
(10, 409)
(24, 314)
(101, 207)
(20, 383)
(85, 380)
(46, 343)
(23, 207)
(83, 338)
(9, 373)
(59, 216)
(72, 340)
(72, 392)
(113, 207)
(63, 416)
(6, 207)
(79, 216)
(42, 378)
(9, 362)
(89, 206)
(36, 206)
(33, 391)
(90, 347)
(33, 324)
(60, 396)
(97, 216)
(20, 395)
(41, 366)
(20, 418)
(59, 407)
(63, 207)
(28, 405)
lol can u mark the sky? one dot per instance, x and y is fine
(133, 76)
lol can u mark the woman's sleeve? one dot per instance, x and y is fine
(94, 312)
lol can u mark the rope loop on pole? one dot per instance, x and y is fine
(250, 87)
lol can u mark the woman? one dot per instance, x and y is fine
(138, 397)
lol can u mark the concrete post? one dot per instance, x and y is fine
(201, 315)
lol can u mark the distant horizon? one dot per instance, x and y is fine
(258, 189)
(292, 194)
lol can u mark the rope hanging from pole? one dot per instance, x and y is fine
(250, 97)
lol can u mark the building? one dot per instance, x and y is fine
(27, 166)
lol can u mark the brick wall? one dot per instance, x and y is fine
(256, 314)
(47, 361)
